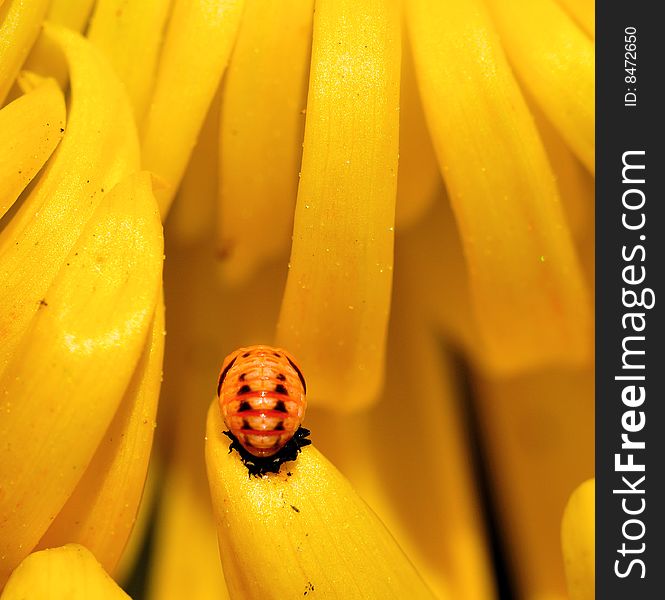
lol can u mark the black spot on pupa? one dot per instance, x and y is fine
(302, 379)
(245, 355)
(242, 376)
(281, 376)
(244, 406)
(279, 406)
(279, 426)
(245, 389)
(277, 354)
(223, 375)
(280, 389)
(246, 425)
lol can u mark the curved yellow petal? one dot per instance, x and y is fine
(304, 530)
(73, 14)
(575, 183)
(261, 127)
(434, 268)
(67, 573)
(555, 62)
(408, 456)
(99, 148)
(578, 537)
(20, 21)
(538, 435)
(193, 214)
(185, 513)
(196, 48)
(31, 128)
(526, 284)
(583, 11)
(334, 314)
(101, 511)
(44, 57)
(130, 35)
(418, 176)
(65, 381)
(127, 566)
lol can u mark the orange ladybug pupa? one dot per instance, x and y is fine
(261, 394)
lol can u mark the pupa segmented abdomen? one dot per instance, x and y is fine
(262, 398)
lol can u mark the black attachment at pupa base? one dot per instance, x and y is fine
(257, 466)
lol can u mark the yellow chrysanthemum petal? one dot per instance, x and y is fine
(101, 511)
(132, 554)
(261, 128)
(66, 379)
(31, 128)
(130, 36)
(196, 49)
(418, 174)
(583, 11)
(335, 310)
(575, 183)
(67, 573)
(99, 148)
(555, 62)
(526, 285)
(73, 14)
(185, 513)
(192, 217)
(434, 268)
(409, 456)
(538, 433)
(45, 56)
(578, 535)
(20, 21)
(304, 530)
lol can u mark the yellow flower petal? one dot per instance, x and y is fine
(335, 310)
(129, 34)
(102, 509)
(435, 270)
(286, 536)
(67, 573)
(133, 552)
(196, 49)
(193, 214)
(578, 535)
(99, 148)
(575, 183)
(583, 11)
(66, 379)
(185, 513)
(555, 62)
(20, 21)
(526, 284)
(73, 14)
(538, 431)
(418, 176)
(31, 128)
(45, 57)
(261, 128)
(408, 456)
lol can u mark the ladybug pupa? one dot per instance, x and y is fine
(262, 396)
